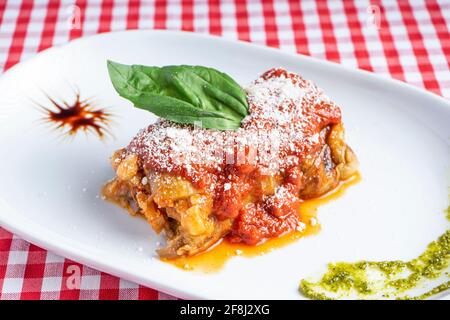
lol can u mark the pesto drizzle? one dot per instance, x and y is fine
(366, 279)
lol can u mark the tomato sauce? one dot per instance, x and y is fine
(284, 109)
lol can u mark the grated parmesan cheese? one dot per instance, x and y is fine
(279, 130)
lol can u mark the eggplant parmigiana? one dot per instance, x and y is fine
(201, 185)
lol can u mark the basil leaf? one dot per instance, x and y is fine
(182, 94)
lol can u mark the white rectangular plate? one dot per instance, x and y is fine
(50, 185)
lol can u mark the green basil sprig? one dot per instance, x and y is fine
(182, 94)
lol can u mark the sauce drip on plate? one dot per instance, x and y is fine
(257, 174)
(384, 279)
(81, 115)
(215, 258)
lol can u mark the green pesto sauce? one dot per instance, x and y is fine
(366, 279)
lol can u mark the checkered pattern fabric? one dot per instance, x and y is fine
(405, 40)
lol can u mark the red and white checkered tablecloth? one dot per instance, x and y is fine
(406, 40)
